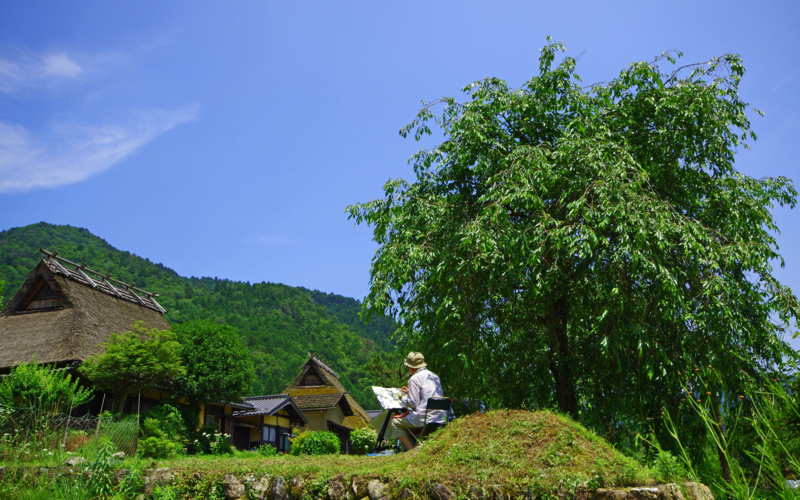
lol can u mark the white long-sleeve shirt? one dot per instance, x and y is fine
(422, 385)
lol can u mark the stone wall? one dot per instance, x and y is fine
(342, 487)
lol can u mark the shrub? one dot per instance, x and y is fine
(315, 443)
(101, 472)
(156, 447)
(218, 443)
(267, 451)
(667, 467)
(164, 421)
(363, 440)
(32, 385)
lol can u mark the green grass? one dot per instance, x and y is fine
(514, 450)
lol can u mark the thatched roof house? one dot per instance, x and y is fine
(324, 400)
(62, 315)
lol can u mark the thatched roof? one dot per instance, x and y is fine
(317, 379)
(84, 312)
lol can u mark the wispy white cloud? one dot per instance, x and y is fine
(73, 153)
(22, 69)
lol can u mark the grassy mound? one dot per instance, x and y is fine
(515, 451)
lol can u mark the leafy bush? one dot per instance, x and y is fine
(667, 467)
(32, 385)
(315, 443)
(363, 440)
(156, 447)
(218, 444)
(267, 451)
(101, 472)
(164, 421)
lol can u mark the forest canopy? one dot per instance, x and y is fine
(278, 324)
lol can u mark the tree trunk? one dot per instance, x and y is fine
(723, 459)
(119, 402)
(561, 359)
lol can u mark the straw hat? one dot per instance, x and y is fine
(415, 360)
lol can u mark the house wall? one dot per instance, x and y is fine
(317, 420)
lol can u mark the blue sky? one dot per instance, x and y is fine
(226, 138)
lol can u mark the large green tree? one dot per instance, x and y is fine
(579, 246)
(218, 366)
(134, 362)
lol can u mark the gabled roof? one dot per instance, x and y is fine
(373, 413)
(270, 405)
(330, 387)
(324, 402)
(82, 319)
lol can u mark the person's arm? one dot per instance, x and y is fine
(412, 394)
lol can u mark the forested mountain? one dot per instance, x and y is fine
(279, 324)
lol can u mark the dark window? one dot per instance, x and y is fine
(44, 298)
(269, 434)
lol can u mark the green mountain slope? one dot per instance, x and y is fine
(279, 324)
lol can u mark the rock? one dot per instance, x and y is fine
(439, 492)
(406, 494)
(377, 490)
(670, 491)
(260, 489)
(337, 491)
(697, 491)
(197, 476)
(73, 461)
(359, 486)
(232, 488)
(120, 455)
(156, 477)
(643, 494)
(604, 494)
(295, 488)
(278, 490)
(2, 472)
(119, 474)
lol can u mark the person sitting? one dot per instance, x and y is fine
(422, 385)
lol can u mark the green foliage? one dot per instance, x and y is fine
(668, 468)
(135, 361)
(2, 288)
(31, 385)
(315, 443)
(218, 366)
(218, 443)
(165, 493)
(278, 324)
(387, 369)
(363, 440)
(164, 421)
(266, 450)
(601, 234)
(101, 472)
(157, 447)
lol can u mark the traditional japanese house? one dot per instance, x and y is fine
(269, 421)
(325, 402)
(62, 314)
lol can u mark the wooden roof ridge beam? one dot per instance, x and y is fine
(130, 289)
(53, 257)
(85, 276)
(158, 306)
(107, 283)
